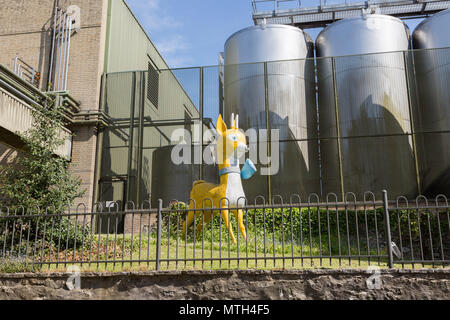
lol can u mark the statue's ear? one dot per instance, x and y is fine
(221, 127)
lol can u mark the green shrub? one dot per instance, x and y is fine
(14, 265)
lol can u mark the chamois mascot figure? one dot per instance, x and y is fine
(228, 195)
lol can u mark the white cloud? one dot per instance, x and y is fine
(174, 50)
(178, 61)
(152, 16)
(172, 44)
(152, 3)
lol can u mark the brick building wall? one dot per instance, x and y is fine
(25, 31)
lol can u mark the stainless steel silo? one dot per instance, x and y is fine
(278, 94)
(431, 38)
(363, 100)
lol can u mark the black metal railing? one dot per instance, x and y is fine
(314, 233)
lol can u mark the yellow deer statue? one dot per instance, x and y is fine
(228, 195)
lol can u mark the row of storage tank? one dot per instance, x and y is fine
(366, 96)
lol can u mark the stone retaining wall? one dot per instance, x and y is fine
(248, 284)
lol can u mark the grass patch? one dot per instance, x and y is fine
(131, 253)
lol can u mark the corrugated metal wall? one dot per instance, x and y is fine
(128, 45)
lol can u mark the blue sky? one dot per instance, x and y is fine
(193, 32)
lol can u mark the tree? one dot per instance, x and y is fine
(39, 178)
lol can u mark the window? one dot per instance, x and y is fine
(152, 85)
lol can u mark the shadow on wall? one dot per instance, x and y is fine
(440, 186)
(371, 163)
(287, 90)
(433, 82)
(45, 51)
(171, 182)
(296, 175)
(8, 155)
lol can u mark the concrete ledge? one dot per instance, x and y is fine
(232, 284)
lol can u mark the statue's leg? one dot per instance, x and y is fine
(189, 219)
(207, 216)
(226, 221)
(239, 214)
